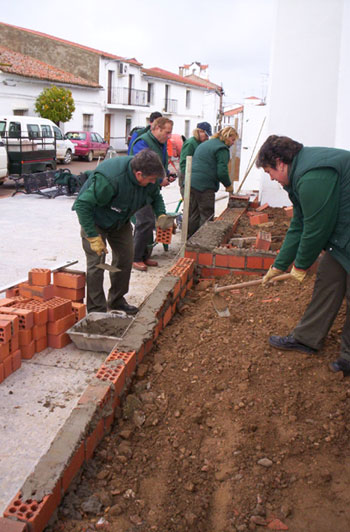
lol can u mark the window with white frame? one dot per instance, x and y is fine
(188, 99)
(150, 93)
(187, 128)
(88, 122)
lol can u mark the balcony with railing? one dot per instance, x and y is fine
(170, 106)
(126, 96)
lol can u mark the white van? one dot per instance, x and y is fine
(34, 127)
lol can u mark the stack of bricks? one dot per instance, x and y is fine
(33, 318)
(10, 354)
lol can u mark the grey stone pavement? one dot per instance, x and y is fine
(36, 399)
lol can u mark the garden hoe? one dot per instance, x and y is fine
(105, 266)
(220, 303)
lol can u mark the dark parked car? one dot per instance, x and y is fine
(88, 144)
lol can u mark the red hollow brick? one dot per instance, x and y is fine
(14, 344)
(167, 316)
(73, 467)
(25, 336)
(39, 276)
(7, 525)
(7, 363)
(206, 259)
(191, 255)
(25, 316)
(74, 294)
(61, 325)
(39, 331)
(115, 375)
(164, 236)
(128, 358)
(259, 219)
(58, 340)
(263, 240)
(37, 292)
(12, 318)
(12, 292)
(94, 439)
(58, 307)
(5, 331)
(4, 350)
(236, 262)
(69, 280)
(35, 513)
(221, 260)
(79, 310)
(28, 351)
(41, 344)
(255, 263)
(16, 360)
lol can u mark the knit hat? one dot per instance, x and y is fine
(206, 127)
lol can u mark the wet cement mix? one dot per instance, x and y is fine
(220, 432)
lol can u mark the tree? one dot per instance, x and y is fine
(56, 104)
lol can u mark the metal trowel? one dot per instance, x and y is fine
(105, 266)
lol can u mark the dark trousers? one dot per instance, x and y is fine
(143, 233)
(202, 208)
(331, 286)
(121, 244)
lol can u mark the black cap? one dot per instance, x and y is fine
(206, 127)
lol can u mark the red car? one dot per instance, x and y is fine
(88, 144)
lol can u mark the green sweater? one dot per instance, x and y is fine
(188, 148)
(210, 166)
(319, 188)
(112, 194)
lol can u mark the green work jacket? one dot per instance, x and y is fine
(188, 148)
(319, 188)
(112, 194)
(210, 166)
(147, 139)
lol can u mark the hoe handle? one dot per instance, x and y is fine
(250, 283)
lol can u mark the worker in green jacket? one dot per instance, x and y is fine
(114, 191)
(155, 139)
(199, 135)
(209, 169)
(318, 184)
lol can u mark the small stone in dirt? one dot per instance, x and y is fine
(135, 519)
(177, 413)
(265, 462)
(125, 434)
(92, 505)
(115, 510)
(190, 518)
(158, 368)
(189, 486)
(258, 520)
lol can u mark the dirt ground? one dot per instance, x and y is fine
(223, 433)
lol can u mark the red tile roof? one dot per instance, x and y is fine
(187, 80)
(24, 65)
(232, 112)
(93, 50)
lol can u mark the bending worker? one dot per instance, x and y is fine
(199, 135)
(209, 169)
(317, 181)
(114, 191)
(155, 139)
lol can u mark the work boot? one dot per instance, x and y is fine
(129, 309)
(341, 364)
(140, 266)
(289, 343)
(151, 262)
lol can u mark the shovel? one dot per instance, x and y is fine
(105, 266)
(220, 304)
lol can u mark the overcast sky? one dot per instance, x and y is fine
(232, 36)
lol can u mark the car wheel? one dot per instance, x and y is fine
(90, 156)
(68, 157)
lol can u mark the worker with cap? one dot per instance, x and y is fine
(209, 170)
(199, 135)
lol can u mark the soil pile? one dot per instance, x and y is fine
(223, 433)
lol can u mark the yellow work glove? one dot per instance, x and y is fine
(271, 273)
(229, 189)
(298, 274)
(164, 222)
(97, 245)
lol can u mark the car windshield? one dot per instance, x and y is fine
(73, 135)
